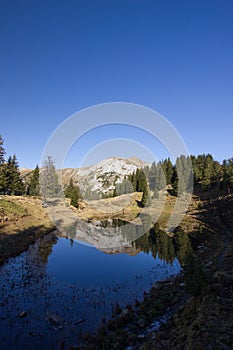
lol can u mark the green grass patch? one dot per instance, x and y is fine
(10, 208)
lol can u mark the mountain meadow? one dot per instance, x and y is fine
(163, 290)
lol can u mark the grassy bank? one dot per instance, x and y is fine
(22, 221)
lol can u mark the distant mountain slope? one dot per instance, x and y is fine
(101, 177)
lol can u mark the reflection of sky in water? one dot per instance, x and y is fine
(90, 267)
(77, 282)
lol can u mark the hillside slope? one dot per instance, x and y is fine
(102, 176)
(22, 220)
(99, 177)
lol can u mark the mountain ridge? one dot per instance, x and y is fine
(99, 178)
(103, 176)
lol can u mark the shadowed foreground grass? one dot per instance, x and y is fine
(22, 221)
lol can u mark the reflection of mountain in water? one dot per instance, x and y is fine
(55, 278)
(129, 239)
(132, 239)
(110, 235)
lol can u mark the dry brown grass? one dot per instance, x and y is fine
(20, 213)
(124, 207)
(22, 221)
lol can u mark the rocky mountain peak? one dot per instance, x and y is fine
(103, 176)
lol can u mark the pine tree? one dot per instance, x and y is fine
(74, 198)
(141, 180)
(146, 170)
(33, 188)
(69, 189)
(152, 176)
(137, 176)
(230, 174)
(3, 178)
(227, 168)
(2, 167)
(185, 174)
(207, 171)
(146, 199)
(168, 170)
(73, 192)
(174, 182)
(134, 181)
(125, 187)
(2, 151)
(216, 173)
(13, 181)
(49, 186)
(160, 179)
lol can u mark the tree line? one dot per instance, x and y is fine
(135, 182)
(10, 179)
(199, 171)
(178, 178)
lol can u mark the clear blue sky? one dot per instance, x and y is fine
(58, 57)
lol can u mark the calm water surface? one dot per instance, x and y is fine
(67, 288)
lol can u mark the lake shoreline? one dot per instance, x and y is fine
(211, 233)
(194, 318)
(13, 245)
(35, 277)
(22, 220)
(137, 322)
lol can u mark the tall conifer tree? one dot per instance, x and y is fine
(33, 188)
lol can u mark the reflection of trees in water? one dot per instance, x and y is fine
(39, 252)
(182, 245)
(154, 240)
(130, 231)
(166, 248)
(36, 257)
(45, 247)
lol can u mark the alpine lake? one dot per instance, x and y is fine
(60, 289)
